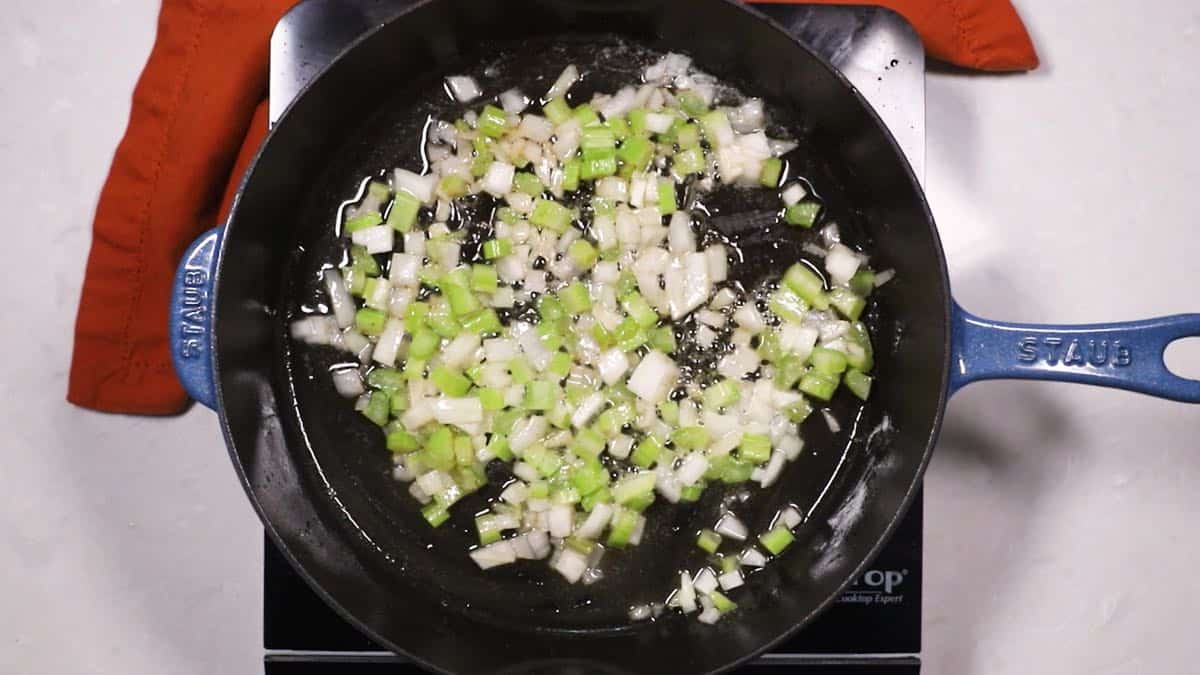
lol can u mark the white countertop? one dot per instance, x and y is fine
(1060, 520)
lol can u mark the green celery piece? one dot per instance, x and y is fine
(802, 214)
(449, 382)
(364, 261)
(858, 383)
(636, 151)
(439, 449)
(571, 170)
(807, 284)
(828, 362)
(492, 122)
(370, 321)
(708, 540)
(777, 539)
(863, 282)
(772, 172)
(575, 298)
(818, 385)
(378, 408)
(362, 221)
(847, 303)
(484, 279)
(690, 438)
(557, 111)
(583, 254)
(400, 441)
(666, 196)
(550, 215)
(528, 183)
(663, 339)
(755, 448)
(496, 248)
(647, 452)
(403, 214)
(688, 162)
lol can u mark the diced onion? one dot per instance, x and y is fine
(348, 382)
(730, 526)
(563, 84)
(513, 101)
(463, 88)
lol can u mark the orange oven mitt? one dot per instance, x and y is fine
(198, 117)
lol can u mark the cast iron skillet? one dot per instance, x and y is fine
(317, 473)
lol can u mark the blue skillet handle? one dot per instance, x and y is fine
(1123, 355)
(191, 317)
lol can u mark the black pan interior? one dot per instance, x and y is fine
(318, 472)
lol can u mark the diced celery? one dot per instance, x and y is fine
(802, 214)
(364, 260)
(403, 214)
(491, 399)
(586, 115)
(669, 412)
(435, 514)
(772, 172)
(623, 525)
(634, 487)
(806, 284)
(551, 215)
(575, 298)
(722, 394)
(439, 449)
(452, 186)
(688, 136)
(723, 604)
(663, 339)
(690, 438)
(858, 383)
(828, 361)
(688, 162)
(528, 183)
(708, 540)
(666, 196)
(496, 248)
(755, 448)
(582, 253)
(789, 370)
(560, 364)
(387, 379)
(598, 167)
(378, 408)
(571, 170)
(692, 103)
(646, 453)
(863, 282)
(498, 445)
(400, 441)
(557, 111)
(449, 382)
(589, 477)
(777, 539)
(541, 395)
(847, 303)
(370, 321)
(636, 151)
(787, 305)
(818, 386)
(492, 122)
(362, 221)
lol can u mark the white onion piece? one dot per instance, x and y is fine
(561, 520)
(526, 432)
(536, 128)
(566, 79)
(612, 366)
(377, 239)
(639, 612)
(738, 364)
(613, 188)
(796, 339)
(405, 270)
(525, 471)
(463, 88)
(570, 563)
(356, 343)
(494, 555)
(730, 580)
(841, 263)
(339, 298)
(753, 557)
(513, 101)
(709, 616)
(348, 382)
(730, 526)
(659, 123)
(791, 446)
(780, 147)
(706, 337)
(567, 138)
(791, 517)
(685, 595)
(793, 194)
(748, 117)
(635, 537)
(621, 103)
(705, 581)
(539, 541)
(654, 377)
(388, 345)
(692, 469)
(461, 350)
(747, 316)
(588, 408)
(421, 187)
(597, 520)
(830, 420)
(419, 494)
(767, 475)
(458, 411)
(680, 237)
(498, 179)
(621, 446)
(884, 277)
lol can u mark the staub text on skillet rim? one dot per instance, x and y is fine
(225, 329)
